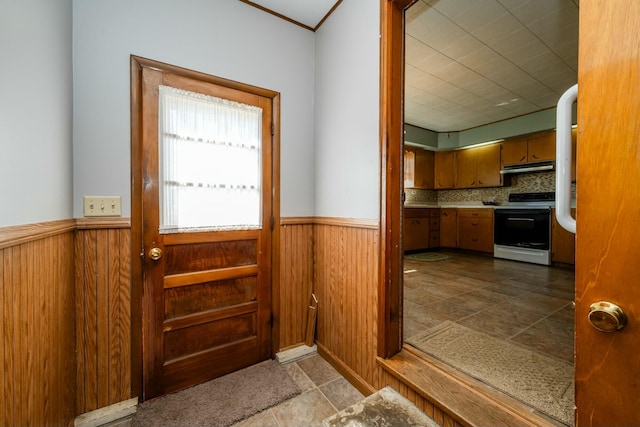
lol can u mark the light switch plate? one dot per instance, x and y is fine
(102, 206)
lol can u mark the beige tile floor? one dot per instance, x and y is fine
(528, 304)
(324, 393)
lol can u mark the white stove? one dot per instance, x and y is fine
(522, 229)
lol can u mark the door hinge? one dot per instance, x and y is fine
(271, 319)
(272, 223)
(273, 129)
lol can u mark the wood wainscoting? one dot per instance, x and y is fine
(296, 279)
(346, 283)
(103, 312)
(65, 322)
(337, 259)
(37, 373)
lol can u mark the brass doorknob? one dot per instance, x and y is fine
(155, 253)
(607, 316)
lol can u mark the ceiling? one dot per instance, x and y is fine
(474, 62)
(469, 63)
(308, 13)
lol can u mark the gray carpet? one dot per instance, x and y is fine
(537, 380)
(220, 402)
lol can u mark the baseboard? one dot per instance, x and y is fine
(349, 374)
(107, 414)
(295, 353)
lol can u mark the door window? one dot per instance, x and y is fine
(210, 156)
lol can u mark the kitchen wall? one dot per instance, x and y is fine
(228, 39)
(521, 183)
(35, 111)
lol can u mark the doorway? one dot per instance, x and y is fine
(203, 203)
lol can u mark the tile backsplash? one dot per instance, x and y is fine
(521, 183)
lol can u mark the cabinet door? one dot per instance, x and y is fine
(444, 169)
(514, 152)
(409, 168)
(448, 228)
(488, 166)
(466, 168)
(418, 168)
(415, 229)
(424, 169)
(475, 229)
(563, 243)
(542, 147)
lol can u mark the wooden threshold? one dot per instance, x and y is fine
(465, 399)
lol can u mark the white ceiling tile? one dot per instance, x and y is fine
(481, 13)
(481, 66)
(497, 29)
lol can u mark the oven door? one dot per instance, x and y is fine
(523, 228)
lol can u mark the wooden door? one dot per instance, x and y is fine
(207, 289)
(608, 211)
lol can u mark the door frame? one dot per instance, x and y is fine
(391, 176)
(137, 181)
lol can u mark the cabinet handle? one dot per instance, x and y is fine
(534, 156)
(480, 182)
(522, 158)
(474, 224)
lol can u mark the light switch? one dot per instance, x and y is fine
(102, 206)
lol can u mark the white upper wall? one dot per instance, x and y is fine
(347, 143)
(224, 38)
(35, 111)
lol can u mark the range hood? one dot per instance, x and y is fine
(545, 166)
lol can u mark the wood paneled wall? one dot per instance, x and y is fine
(346, 284)
(37, 373)
(296, 279)
(103, 313)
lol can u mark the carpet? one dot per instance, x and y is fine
(427, 256)
(220, 402)
(542, 382)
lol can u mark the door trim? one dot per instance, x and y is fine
(137, 64)
(392, 175)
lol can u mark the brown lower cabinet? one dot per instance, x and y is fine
(421, 229)
(475, 229)
(449, 227)
(464, 228)
(563, 243)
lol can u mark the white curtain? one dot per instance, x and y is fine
(210, 170)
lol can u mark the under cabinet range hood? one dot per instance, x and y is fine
(545, 166)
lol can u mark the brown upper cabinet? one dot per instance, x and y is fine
(418, 168)
(536, 148)
(444, 170)
(478, 167)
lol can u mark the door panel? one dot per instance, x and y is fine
(207, 296)
(607, 238)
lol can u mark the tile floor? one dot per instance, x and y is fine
(528, 304)
(324, 393)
